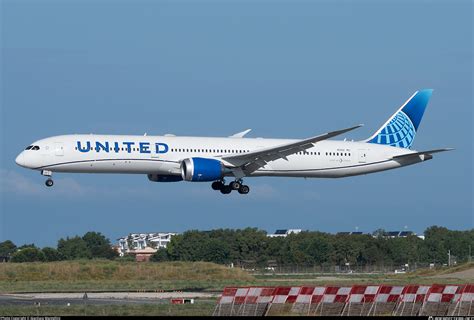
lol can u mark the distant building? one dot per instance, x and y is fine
(396, 234)
(143, 245)
(400, 234)
(284, 232)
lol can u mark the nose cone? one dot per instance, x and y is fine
(20, 160)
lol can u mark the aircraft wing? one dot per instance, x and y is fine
(424, 153)
(251, 161)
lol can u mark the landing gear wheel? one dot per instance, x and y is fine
(235, 185)
(226, 189)
(217, 185)
(49, 183)
(244, 189)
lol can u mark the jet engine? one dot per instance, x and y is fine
(201, 169)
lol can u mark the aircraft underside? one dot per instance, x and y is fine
(169, 171)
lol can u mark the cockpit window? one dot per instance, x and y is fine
(35, 148)
(29, 147)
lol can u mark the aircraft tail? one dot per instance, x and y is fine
(401, 127)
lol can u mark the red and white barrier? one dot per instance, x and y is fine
(227, 296)
(355, 300)
(266, 295)
(286, 294)
(388, 294)
(305, 295)
(441, 293)
(363, 294)
(414, 293)
(336, 294)
(467, 294)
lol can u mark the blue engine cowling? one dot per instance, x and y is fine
(164, 178)
(201, 169)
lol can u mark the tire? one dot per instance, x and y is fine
(226, 189)
(49, 183)
(244, 189)
(235, 185)
(217, 185)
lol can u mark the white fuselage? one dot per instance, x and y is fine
(162, 155)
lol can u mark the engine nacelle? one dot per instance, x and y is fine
(201, 169)
(164, 178)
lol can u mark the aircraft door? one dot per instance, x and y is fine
(59, 148)
(362, 155)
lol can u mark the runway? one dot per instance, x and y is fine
(101, 298)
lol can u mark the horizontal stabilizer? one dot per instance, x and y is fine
(425, 153)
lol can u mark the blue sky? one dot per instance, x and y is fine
(288, 69)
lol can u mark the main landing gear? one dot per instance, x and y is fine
(47, 173)
(227, 188)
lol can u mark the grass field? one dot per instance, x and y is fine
(88, 276)
(70, 276)
(80, 276)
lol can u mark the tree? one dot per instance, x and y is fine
(51, 254)
(30, 254)
(187, 246)
(160, 256)
(99, 246)
(74, 248)
(215, 251)
(7, 248)
(28, 245)
(319, 248)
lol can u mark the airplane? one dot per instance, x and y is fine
(171, 158)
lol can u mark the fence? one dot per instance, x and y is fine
(270, 268)
(356, 300)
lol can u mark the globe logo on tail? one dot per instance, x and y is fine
(399, 132)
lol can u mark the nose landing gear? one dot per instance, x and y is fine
(49, 182)
(227, 188)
